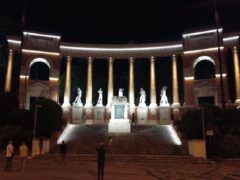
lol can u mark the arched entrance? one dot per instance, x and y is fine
(38, 87)
(204, 74)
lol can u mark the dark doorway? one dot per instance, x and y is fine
(204, 70)
(39, 71)
(208, 100)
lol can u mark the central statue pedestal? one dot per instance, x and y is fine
(119, 122)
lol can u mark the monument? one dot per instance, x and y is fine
(165, 109)
(119, 122)
(77, 108)
(99, 109)
(142, 109)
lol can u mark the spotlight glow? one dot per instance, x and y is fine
(174, 135)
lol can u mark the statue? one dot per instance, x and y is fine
(100, 98)
(120, 92)
(78, 98)
(164, 99)
(142, 98)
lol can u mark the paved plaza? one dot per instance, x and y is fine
(58, 169)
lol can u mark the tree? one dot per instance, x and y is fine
(49, 117)
(8, 104)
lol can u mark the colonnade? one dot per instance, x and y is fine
(153, 103)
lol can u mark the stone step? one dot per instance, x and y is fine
(143, 139)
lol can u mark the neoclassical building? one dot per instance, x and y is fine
(204, 45)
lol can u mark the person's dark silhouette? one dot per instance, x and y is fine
(63, 150)
(101, 160)
(133, 119)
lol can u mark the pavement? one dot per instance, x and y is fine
(59, 169)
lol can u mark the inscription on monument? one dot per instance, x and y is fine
(119, 111)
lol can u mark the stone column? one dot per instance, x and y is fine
(237, 75)
(89, 84)
(9, 72)
(175, 83)
(153, 103)
(67, 91)
(110, 81)
(131, 83)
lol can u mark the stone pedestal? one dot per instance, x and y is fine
(165, 115)
(119, 126)
(77, 114)
(45, 146)
(35, 147)
(99, 114)
(142, 115)
(119, 122)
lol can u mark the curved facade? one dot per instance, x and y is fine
(194, 47)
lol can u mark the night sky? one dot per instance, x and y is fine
(119, 21)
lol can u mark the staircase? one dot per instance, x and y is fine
(143, 140)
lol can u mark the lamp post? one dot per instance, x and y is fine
(35, 118)
(217, 23)
(203, 122)
(35, 142)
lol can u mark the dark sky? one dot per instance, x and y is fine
(119, 21)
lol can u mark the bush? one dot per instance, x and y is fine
(230, 146)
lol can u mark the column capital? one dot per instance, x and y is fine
(90, 59)
(110, 59)
(131, 59)
(234, 49)
(152, 58)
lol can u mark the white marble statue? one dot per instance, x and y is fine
(142, 98)
(100, 97)
(164, 99)
(78, 98)
(120, 92)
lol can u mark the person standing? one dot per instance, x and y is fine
(133, 119)
(9, 156)
(63, 150)
(101, 160)
(23, 153)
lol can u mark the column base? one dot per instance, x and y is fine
(66, 106)
(88, 106)
(176, 105)
(153, 106)
(237, 101)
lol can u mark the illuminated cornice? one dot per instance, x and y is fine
(13, 41)
(40, 52)
(202, 32)
(23, 76)
(231, 38)
(53, 79)
(223, 75)
(189, 78)
(41, 35)
(122, 49)
(202, 50)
